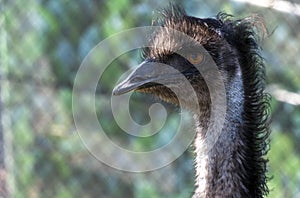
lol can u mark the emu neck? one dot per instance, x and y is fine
(219, 167)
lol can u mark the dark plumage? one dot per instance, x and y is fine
(235, 166)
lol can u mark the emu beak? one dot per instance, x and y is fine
(147, 72)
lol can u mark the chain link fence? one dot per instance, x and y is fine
(42, 45)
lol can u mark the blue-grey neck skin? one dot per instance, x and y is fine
(218, 170)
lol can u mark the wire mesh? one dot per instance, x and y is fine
(42, 46)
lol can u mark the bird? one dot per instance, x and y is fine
(236, 164)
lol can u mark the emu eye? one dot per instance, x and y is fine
(195, 58)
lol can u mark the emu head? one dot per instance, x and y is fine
(193, 58)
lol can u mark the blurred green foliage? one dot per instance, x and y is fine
(45, 43)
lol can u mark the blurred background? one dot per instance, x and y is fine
(42, 44)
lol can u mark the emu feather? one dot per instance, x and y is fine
(235, 166)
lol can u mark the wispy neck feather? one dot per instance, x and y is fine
(220, 167)
(235, 165)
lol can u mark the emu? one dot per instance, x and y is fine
(235, 166)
